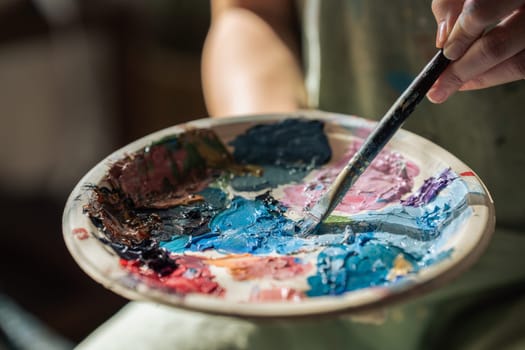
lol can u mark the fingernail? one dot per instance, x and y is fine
(436, 95)
(441, 34)
(453, 50)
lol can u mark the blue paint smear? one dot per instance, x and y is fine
(365, 263)
(176, 244)
(256, 227)
(249, 226)
(421, 224)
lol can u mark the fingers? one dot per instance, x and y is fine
(446, 13)
(475, 18)
(505, 72)
(497, 52)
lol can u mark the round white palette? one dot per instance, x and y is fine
(305, 284)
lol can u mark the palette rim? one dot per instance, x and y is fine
(101, 264)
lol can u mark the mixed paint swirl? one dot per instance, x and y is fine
(191, 215)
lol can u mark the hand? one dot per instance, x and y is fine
(486, 41)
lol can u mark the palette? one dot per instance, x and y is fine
(207, 216)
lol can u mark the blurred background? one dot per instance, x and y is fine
(78, 79)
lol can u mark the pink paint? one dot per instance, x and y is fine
(80, 233)
(387, 179)
(247, 267)
(276, 294)
(191, 275)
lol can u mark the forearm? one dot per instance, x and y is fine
(250, 64)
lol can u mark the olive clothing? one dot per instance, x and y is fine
(359, 55)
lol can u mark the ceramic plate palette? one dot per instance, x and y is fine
(208, 216)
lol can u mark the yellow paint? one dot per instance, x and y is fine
(401, 268)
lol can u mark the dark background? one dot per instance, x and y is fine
(76, 84)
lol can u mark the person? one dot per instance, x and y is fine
(355, 56)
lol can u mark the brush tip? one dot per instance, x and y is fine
(308, 225)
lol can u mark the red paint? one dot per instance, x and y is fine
(247, 267)
(467, 173)
(191, 275)
(80, 233)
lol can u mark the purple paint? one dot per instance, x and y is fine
(430, 189)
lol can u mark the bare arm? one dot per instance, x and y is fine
(250, 59)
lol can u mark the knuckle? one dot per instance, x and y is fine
(475, 17)
(468, 29)
(494, 46)
(453, 79)
(478, 10)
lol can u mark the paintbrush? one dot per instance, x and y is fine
(385, 129)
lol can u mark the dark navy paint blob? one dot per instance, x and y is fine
(290, 143)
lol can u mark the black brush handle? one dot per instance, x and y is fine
(387, 127)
